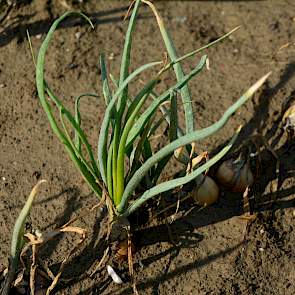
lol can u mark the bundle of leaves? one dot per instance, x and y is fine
(125, 158)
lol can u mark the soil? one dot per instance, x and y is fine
(208, 251)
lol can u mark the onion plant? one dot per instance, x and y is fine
(125, 159)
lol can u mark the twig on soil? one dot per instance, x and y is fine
(288, 44)
(79, 231)
(6, 14)
(170, 233)
(105, 254)
(130, 261)
(47, 272)
(65, 4)
(86, 213)
(37, 241)
(248, 216)
(170, 206)
(129, 10)
(33, 269)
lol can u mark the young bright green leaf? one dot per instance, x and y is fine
(110, 171)
(139, 101)
(138, 150)
(102, 141)
(125, 62)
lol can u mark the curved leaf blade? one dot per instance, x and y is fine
(140, 123)
(169, 185)
(184, 140)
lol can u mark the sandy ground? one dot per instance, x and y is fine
(213, 253)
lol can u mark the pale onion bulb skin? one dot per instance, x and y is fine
(207, 193)
(235, 177)
(182, 155)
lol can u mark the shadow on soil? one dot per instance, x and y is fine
(18, 28)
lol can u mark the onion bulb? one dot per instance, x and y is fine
(235, 175)
(182, 155)
(207, 193)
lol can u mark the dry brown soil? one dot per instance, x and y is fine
(212, 251)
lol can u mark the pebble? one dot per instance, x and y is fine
(140, 264)
(208, 64)
(78, 35)
(38, 233)
(111, 56)
(39, 36)
(181, 19)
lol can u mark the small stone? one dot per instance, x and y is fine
(181, 19)
(39, 36)
(261, 249)
(38, 233)
(140, 264)
(111, 56)
(3, 178)
(262, 231)
(78, 35)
